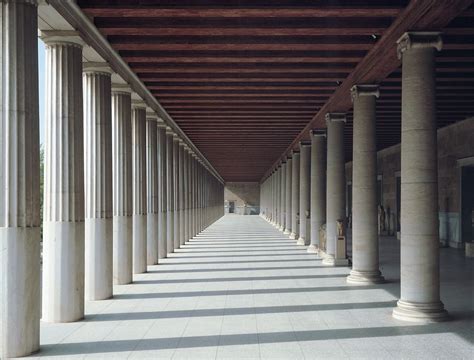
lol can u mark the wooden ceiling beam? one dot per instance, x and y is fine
(418, 15)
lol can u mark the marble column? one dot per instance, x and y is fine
(365, 242)
(176, 220)
(335, 190)
(152, 187)
(419, 262)
(278, 197)
(295, 195)
(182, 194)
(63, 210)
(139, 187)
(162, 191)
(122, 183)
(282, 196)
(20, 295)
(98, 181)
(289, 171)
(305, 168)
(186, 193)
(170, 191)
(318, 187)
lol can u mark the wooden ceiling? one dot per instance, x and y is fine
(247, 79)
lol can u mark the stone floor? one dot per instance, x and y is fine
(243, 290)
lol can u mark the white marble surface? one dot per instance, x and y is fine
(243, 290)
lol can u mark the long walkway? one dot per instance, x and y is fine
(243, 290)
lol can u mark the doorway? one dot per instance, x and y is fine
(467, 204)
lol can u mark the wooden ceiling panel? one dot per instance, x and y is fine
(247, 79)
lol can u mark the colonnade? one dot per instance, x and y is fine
(121, 188)
(322, 204)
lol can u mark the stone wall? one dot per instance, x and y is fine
(455, 142)
(245, 195)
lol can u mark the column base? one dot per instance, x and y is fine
(313, 249)
(330, 260)
(420, 312)
(292, 236)
(287, 232)
(281, 228)
(365, 277)
(301, 242)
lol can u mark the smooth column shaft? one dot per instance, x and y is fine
(295, 196)
(335, 186)
(305, 168)
(139, 186)
(98, 184)
(289, 171)
(122, 187)
(318, 188)
(419, 280)
(20, 297)
(63, 215)
(283, 197)
(365, 247)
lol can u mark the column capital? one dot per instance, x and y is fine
(138, 104)
(295, 152)
(121, 88)
(364, 90)
(305, 143)
(419, 40)
(318, 132)
(160, 123)
(96, 67)
(335, 117)
(61, 37)
(289, 156)
(169, 131)
(150, 114)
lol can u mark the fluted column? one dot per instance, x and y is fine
(283, 197)
(305, 165)
(288, 184)
(365, 242)
(295, 195)
(152, 187)
(98, 181)
(170, 191)
(318, 187)
(63, 215)
(139, 187)
(162, 191)
(419, 280)
(175, 172)
(122, 183)
(335, 189)
(19, 180)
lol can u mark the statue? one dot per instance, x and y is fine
(322, 237)
(340, 230)
(381, 219)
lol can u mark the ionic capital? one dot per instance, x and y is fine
(419, 40)
(318, 132)
(335, 117)
(364, 90)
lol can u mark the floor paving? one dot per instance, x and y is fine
(242, 290)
